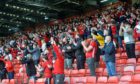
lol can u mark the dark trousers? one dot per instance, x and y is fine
(97, 55)
(10, 75)
(48, 81)
(80, 62)
(59, 79)
(130, 50)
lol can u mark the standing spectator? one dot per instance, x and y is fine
(44, 46)
(9, 67)
(90, 54)
(79, 52)
(127, 32)
(100, 42)
(58, 65)
(68, 53)
(3, 71)
(47, 69)
(8, 54)
(109, 51)
(35, 53)
(137, 31)
(30, 66)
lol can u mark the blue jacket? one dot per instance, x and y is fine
(109, 52)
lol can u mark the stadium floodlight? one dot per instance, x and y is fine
(103, 1)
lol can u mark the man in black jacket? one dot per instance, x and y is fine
(30, 66)
(68, 53)
(79, 52)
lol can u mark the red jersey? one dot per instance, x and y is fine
(114, 30)
(89, 54)
(46, 39)
(81, 29)
(14, 52)
(47, 71)
(9, 66)
(59, 62)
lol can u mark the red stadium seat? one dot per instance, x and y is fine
(102, 80)
(118, 55)
(67, 72)
(40, 81)
(13, 81)
(87, 72)
(82, 72)
(138, 61)
(131, 61)
(128, 70)
(126, 78)
(105, 72)
(119, 70)
(5, 81)
(137, 53)
(136, 78)
(121, 62)
(74, 73)
(124, 55)
(138, 43)
(113, 79)
(99, 71)
(137, 47)
(91, 80)
(123, 82)
(137, 69)
(31, 81)
(77, 80)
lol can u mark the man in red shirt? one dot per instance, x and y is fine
(9, 67)
(47, 69)
(90, 53)
(58, 64)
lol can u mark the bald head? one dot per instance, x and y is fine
(108, 39)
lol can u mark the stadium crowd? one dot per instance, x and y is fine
(84, 38)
